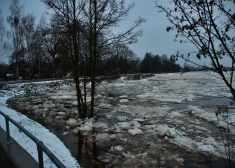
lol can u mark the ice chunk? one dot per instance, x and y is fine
(197, 122)
(123, 97)
(102, 137)
(109, 116)
(65, 133)
(124, 125)
(100, 125)
(121, 118)
(48, 105)
(103, 105)
(174, 114)
(139, 120)
(118, 148)
(61, 97)
(123, 100)
(202, 114)
(75, 103)
(113, 137)
(72, 122)
(206, 148)
(87, 126)
(61, 113)
(135, 131)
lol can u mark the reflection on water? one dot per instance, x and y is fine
(85, 149)
(87, 152)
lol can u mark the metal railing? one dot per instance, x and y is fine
(40, 146)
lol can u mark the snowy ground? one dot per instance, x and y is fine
(50, 140)
(140, 115)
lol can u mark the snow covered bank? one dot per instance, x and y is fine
(49, 139)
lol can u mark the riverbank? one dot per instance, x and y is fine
(40, 132)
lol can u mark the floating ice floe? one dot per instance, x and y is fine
(135, 131)
(121, 118)
(123, 97)
(103, 105)
(119, 148)
(62, 97)
(123, 100)
(128, 125)
(87, 126)
(139, 120)
(100, 125)
(109, 116)
(72, 122)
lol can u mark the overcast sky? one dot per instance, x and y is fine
(155, 39)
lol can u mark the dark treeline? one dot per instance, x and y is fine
(158, 64)
(45, 53)
(120, 60)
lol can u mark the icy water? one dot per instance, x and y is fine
(88, 153)
(97, 154)
(207, 102)
(145, 105)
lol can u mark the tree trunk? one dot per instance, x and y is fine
(54, 69)
(85, 96)
(77, 82)
(39, 68)
(76, 45)
(232, 92)
(93, 63)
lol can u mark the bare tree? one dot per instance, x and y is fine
(209, 26)
(14, 21)
(5, 44)
(2, 32)
(51, 42)
(123, 60)
(99, 18)
(69, 11)
(28, 30)
(103, 16)
(38, 46)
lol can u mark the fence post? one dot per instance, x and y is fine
(40, 155)
(8, 141)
